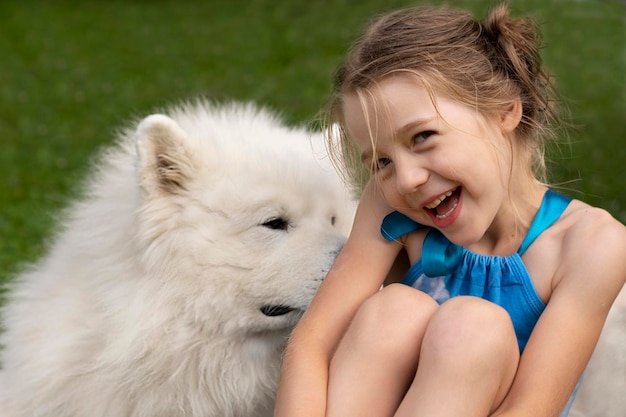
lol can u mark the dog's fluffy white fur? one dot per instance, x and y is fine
(175, 281)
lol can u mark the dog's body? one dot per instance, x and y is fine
(174, 283)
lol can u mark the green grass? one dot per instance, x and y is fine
(73, 71)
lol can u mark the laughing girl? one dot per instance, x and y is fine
(510, 282)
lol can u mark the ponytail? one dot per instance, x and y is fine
(513, 47)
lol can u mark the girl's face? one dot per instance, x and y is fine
(445, 166)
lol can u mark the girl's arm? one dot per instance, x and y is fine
(358, 272)
(590, 273)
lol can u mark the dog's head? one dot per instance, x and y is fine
(241, 216)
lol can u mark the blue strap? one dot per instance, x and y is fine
(552, 206)
(439, 255)
(396, 224)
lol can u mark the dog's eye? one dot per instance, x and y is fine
(333, 220)
(277, 223)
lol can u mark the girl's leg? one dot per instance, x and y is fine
(468, 361)
(376, 360)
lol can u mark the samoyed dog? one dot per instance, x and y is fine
(175, 281)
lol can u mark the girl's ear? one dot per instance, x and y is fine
(511, 117)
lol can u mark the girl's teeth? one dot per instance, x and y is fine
(439, 200)
(446, 214)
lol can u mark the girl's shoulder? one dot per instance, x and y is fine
(584, 225)
(586, 244)
(591, 240)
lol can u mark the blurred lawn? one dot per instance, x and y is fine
(73, 71)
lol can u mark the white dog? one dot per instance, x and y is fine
(174, 283)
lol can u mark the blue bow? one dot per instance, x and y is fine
(439, 256)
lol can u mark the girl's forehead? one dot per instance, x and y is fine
(388, 106)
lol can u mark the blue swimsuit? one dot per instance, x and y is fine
(447, 270)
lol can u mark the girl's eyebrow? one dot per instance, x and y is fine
(412, 125)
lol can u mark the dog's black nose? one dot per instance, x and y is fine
(276, 310)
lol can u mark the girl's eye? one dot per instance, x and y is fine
(381, 163)
(422, 136)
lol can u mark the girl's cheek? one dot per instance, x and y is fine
(391, 194)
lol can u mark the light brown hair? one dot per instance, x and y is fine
(487, 65)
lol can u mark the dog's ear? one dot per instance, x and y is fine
(165, 159)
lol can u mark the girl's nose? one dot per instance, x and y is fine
(409, 176)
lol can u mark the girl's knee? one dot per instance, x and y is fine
(472, 324)
(398, 303)
(470, 339)
(397, 314)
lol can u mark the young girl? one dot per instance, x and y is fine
(510, 282)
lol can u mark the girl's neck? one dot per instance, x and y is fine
(508, 229)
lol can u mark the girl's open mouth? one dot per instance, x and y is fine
(445, 209)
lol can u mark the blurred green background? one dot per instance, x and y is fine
(71, 72)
